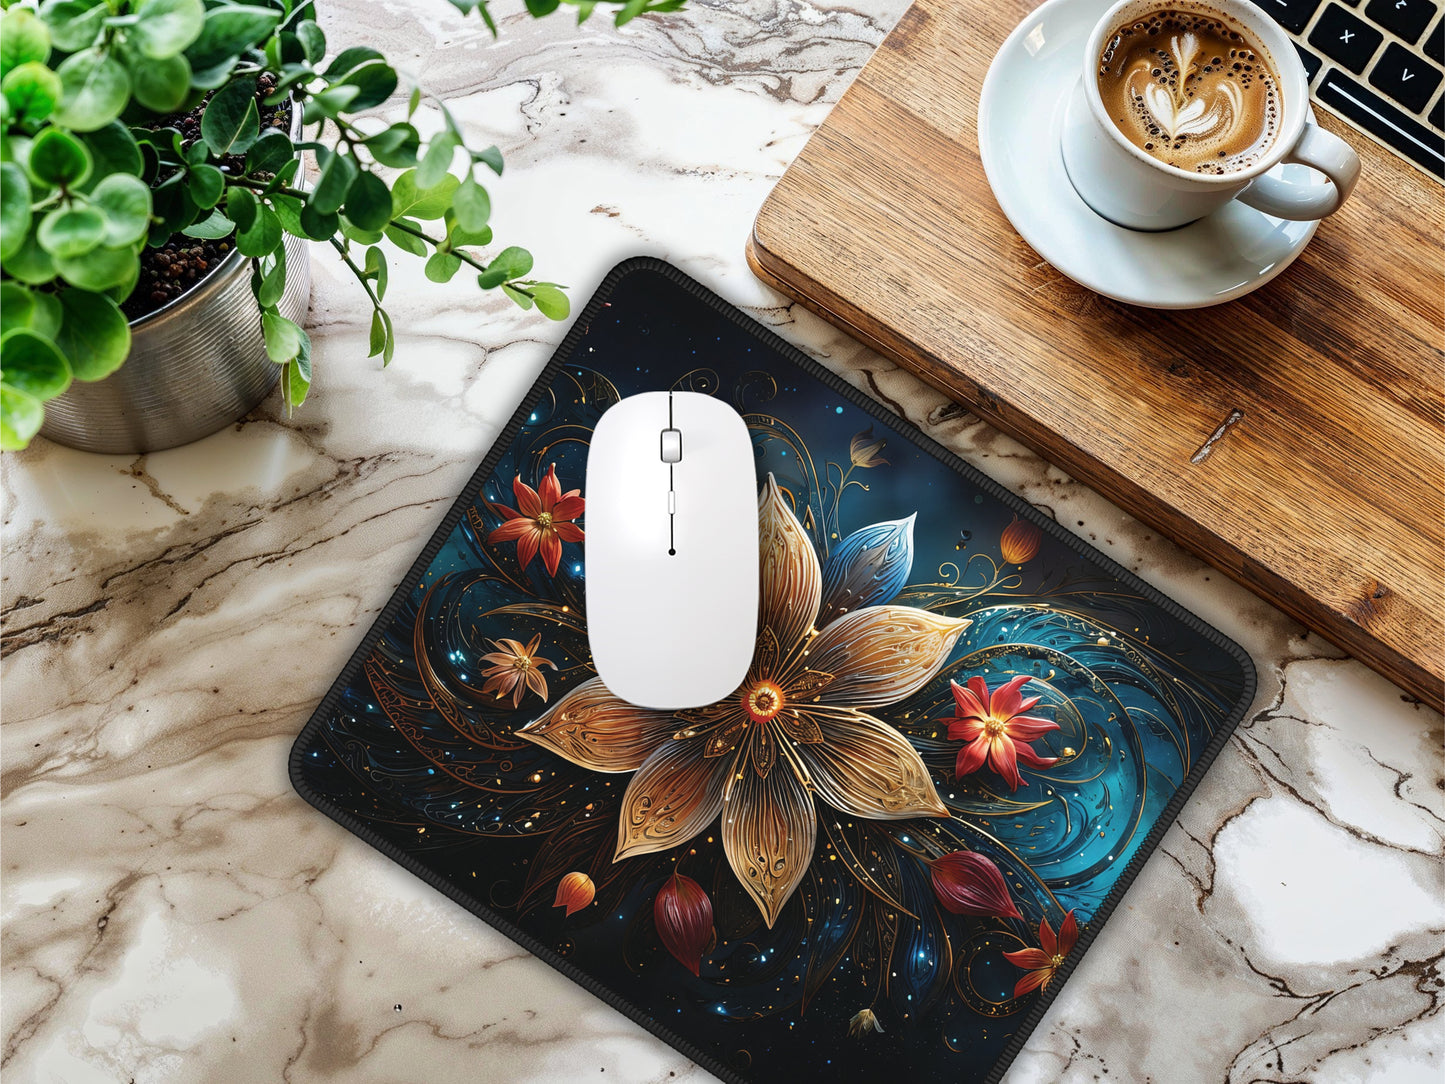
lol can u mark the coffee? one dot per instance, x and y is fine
(1188, 87)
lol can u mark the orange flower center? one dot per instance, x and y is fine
(544, 520)
(994, 727)
(1055, 960)
(521, 662)
(764, 700)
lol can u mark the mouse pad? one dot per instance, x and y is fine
(962, 732)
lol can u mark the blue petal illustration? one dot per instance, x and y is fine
(868, 569)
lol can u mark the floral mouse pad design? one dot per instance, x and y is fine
(962, 730)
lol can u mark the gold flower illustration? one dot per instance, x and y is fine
(796, 727)
(515, 669)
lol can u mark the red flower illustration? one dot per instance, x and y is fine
(683, 913)
(967, 883)
(996, 730)
(1044, 961)
(541, 521)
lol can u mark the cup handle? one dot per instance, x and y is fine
(1327, 153)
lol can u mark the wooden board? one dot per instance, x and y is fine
(1295, 441)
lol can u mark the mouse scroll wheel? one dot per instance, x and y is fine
(671, 445)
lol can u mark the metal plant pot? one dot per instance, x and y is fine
(195, 366)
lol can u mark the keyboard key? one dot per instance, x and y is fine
(1293, 15)
(1346, 38)
(1404, 17)
(1380, 118)
(1435, 43)
(1312, 63)
(1437, 115)
(1405, 77)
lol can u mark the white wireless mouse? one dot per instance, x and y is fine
(671, 550)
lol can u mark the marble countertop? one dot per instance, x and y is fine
(174, 912)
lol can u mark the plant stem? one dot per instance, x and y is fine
(358, 272)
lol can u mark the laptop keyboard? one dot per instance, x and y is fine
(1378, 64)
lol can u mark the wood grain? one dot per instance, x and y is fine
(1324, 490)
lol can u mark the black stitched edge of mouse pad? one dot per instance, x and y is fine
(905, 869)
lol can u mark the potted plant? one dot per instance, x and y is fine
(153, 208)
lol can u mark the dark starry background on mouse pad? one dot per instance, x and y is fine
(909, 843)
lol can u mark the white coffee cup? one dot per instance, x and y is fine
(1128, 186)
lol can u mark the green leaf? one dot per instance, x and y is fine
(294, 386)
(288, 210)
(472, 206)
(551, 302)
(269, 153)
(14, 209)
(94, 334)
(460, 238)
(350, 59)
(263, 236)
(411, 199)
(436, 161)
(352, 232)
(24, 39)
(376, 269)
(283, 337)
(21, 307)
(206, 185)
(161, 85)
(32, 91)
(100, 268)
(413, 102)
(491, 158)
(229, 30)
(21, 416)
(338, 171)
(584, 10)
(313, 40)
(165, 27)
(71, 231)
(241, 207)
(510, 263)
(442, 266)
(629, 11)
(283, 175)
(539, 8)
(388, 348)
(114, 150)
(31, 363)
(58, 159)
(407, 242)
(29, 262)
(375, 83)
(211, 228)
(296, 374)
(231, 123)
(395, 146)
(319, 225)
(378, 334)
(125, 201)
(368, 202)
(328, 103)
(74, 24)
(522, 299)
(95, 87)
(273, 279)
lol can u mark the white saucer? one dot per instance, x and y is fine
(1222, 256)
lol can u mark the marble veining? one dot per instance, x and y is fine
(174, 913)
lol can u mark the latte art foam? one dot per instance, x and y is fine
(1191, 90)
